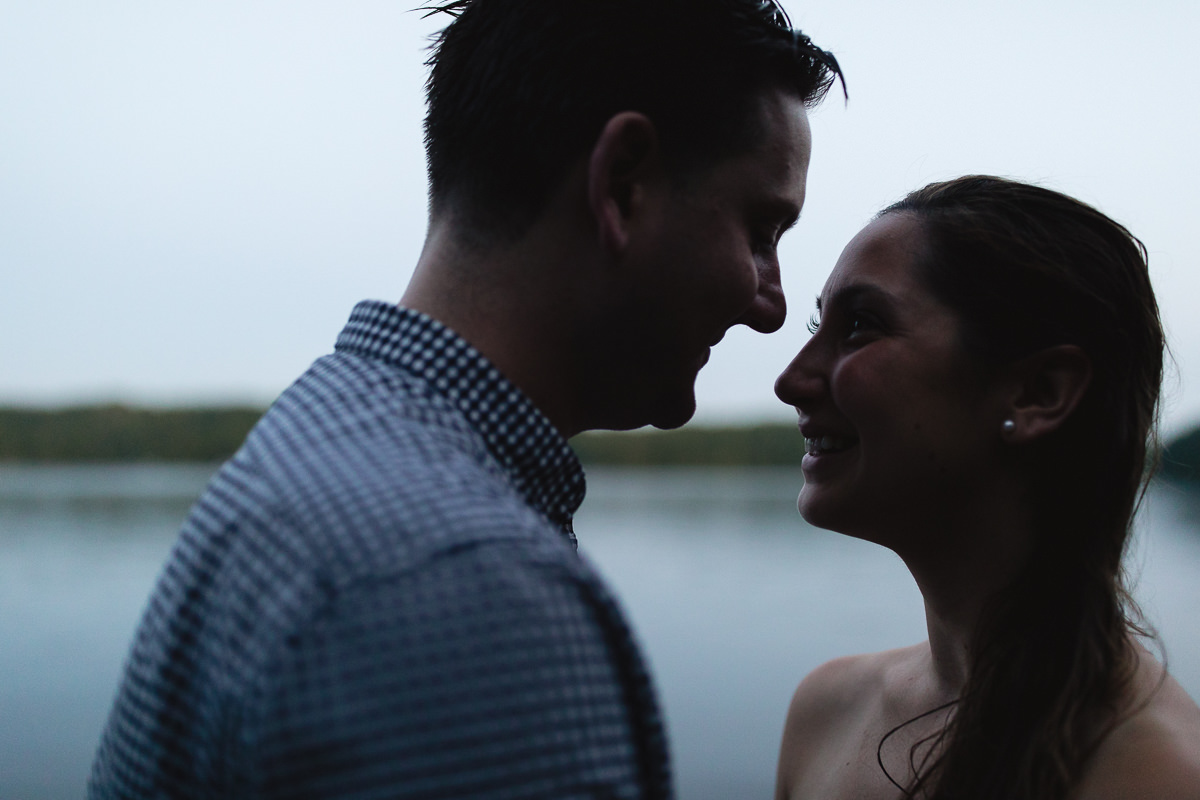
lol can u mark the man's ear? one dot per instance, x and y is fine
(624, 157)
(1048, 386)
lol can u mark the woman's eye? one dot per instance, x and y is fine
(861, 323)
(814, 322)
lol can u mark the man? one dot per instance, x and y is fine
(379, 595)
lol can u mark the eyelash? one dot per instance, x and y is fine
(768, 239)
(860, 317)
(859, 321)
(765, 244)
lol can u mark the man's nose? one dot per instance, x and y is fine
(768, 310)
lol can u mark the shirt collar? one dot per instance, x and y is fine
(537, 458)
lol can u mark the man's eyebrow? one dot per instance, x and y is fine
(783, 210)
(790, 213)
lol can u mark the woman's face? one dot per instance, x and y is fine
(900, 428)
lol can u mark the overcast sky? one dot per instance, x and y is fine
(193, 196)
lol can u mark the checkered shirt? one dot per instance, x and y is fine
(375, 598)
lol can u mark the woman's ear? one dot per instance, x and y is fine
(626, 155)
(1048, 386)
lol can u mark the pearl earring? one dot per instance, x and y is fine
(1008, 426)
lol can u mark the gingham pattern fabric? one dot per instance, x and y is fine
(375, 598)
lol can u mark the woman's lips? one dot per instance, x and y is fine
(822, 445)
(826, 456)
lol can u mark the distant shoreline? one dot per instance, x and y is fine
(118, 433)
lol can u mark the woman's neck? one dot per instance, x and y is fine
(960, 568)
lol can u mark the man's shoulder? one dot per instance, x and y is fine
(355, 476)
(354, 442)
(258, 636)
(368, 414)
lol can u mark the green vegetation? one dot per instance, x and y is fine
(120, 433)
(757, 445)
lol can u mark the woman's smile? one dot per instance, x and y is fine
(889, 410)
(824, 450)
(824, 445)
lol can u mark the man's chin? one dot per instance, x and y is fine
(675, 415)
(662, 413)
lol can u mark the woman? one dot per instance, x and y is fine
(978, 396)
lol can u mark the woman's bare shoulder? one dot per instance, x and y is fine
(839, 685)
(832, 703)
(1155, 751)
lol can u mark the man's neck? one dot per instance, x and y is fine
(514, 303)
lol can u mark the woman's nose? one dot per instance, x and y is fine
(803, 381)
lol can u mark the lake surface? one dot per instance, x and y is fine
(733, 597)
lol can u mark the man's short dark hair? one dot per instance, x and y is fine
(519, 89)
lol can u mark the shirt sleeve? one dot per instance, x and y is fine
(483, 674)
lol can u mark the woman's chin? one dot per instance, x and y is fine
(816, 510)
(838, 514)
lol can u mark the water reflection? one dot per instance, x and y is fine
(79, 550)
(732, 595)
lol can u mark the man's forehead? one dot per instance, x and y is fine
(783, 123)
(780, 157)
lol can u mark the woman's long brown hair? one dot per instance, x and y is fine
(1025, 268)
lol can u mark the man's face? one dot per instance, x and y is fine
(704, 261)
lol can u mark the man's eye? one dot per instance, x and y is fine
(766, 236)
(764, 244)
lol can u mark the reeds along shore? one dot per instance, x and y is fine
(116, 433)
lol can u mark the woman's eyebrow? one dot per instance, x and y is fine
(851, 292)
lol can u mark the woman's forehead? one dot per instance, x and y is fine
(883, 254)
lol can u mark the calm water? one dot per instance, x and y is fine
(734, 598)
